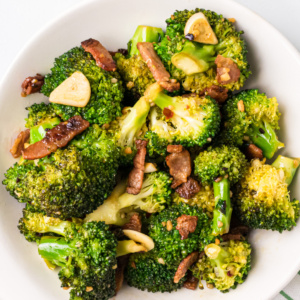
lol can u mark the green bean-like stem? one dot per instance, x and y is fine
(223, 209)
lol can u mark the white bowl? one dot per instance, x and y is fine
(276, 70)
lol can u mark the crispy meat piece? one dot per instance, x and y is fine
(56, 137)
(241, 229)
(174, 148)
(102, 57)
(18, 146)
(156, 67)
(180, 165)
(134, 223)
(219, 93)
(121, 263)
(168, 113)
(188, 189)
(192, 282)
(136, 176)
(186, 225)
(231, 236)
(227, 70)
(252, 152)
(185, 265)
(32, 84)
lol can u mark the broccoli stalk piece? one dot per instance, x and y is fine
(250, 115)
(225, 265)
(144, 34)
(194, 58)
(220, 166)
(262, 198)
(189, 121)
(223, 209)
(264, 137)
(155, 195)
(38, 132)
(288, 165)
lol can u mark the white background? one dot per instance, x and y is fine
(20, 20)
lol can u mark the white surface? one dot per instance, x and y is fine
(276, 70)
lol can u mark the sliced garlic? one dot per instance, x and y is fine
(150, 168)
(125, 247)
(74, 91)
(199, 27)
(141, 238)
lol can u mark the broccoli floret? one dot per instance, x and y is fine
(225, 265)
(106, 87)
(38, 113)
(204, 199)
(230, 45)
(71, 182)
(87, 256)
(168, 243)
(188, 121)
(135, 74)
(262, 198)
(130, 127)
(210, 166)
(154, 196)
(144, 272)
(134, 71)
(252, 116)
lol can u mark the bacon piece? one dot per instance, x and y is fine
(32, 84)
(168, 113)
(186, 225)
(227, 70)
(180, 165)
(156, 67)
(253, 152)
(219, 93)
(188, 189)
(136, 176)
(231, 236)
(56, 137)
(241, 229)
(185, 265)
(102, 57)
(121, 265)
(174, 148)
(134, 223)
(192, 282)
(18, 146)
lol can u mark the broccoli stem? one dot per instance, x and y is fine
(264, 137)
(223, 209)
(144, 34)
(55, 249)
(38, 132)
(194, 58)
(288, 165)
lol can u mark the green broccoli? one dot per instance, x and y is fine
(144, 34)
(188, 121)
(175, 48)
(72, 181)
(262, 198)
(169, 245)
(250, 115)
(225, 265)
(106, 87)
(145, 272)
(130, 127)
(154, 196)
(134, 71)
(204, 199)
(86, 254)
(39, 113)
(220, 166)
